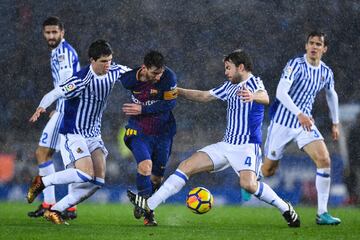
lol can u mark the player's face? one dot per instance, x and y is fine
(232, 72)
(153, 74)
(53, 35)
(315, 48)
(102, 65)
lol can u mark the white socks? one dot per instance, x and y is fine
(79, 192)
(322, 184)
(66, 176)
(45, 169)
(266, 194)
(171, 186)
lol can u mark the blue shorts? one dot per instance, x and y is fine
(155, 148)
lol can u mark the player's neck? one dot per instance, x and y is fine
(313, 62)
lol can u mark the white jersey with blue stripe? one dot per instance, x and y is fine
(306, 81)
(64, 63)
(86, 96)
(244, 120)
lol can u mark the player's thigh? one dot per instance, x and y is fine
(99, 162)
(140, 147)
(160, 156)
(244, 157)
(277, 138)
(73, 147)
(50, 135)
(319, 153)
(196, 163)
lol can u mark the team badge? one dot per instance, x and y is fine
(79, 150)
(273, 153)
(70, 87)
(61, 57)
(153, 91)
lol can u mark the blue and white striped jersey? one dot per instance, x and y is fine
(86, 95)
(64, 63)
(244, 120)
(306, 81)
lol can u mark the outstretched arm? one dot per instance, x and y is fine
(260, 96)
(333, 103)
(195, 95)
(46, 101)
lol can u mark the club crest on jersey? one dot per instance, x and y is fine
(61, 57)
(79, 150)
(69, 87)
(153, 91)
(273, 153)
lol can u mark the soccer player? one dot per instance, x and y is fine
(240, 147)
(64, 63)
(302, 78)
(81, 146)
(151, 127)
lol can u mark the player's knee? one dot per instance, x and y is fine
(145, 167)
(323, 161)
(43, 154)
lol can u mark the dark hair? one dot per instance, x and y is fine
(240, 57)
(318, 34)
(53, 21)
(99, 48)
(154, 58)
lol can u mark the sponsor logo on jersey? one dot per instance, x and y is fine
(79, 150)
(153, 91)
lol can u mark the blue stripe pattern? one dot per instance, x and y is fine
(83, 177)
(181, 175)
(86, 96)
(306, 81)
(325, 175)
(261, 189)
(63, 57)
(45, 164)
(244, 120)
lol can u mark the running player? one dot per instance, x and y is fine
(303, 77)
(149, 133)
(81, 146)
(64, 63)
(240, 147)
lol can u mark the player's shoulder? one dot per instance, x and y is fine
(170, 75)
(129, 73)
(67, 45)
(83, 72)
(297, 59)
(324, 65)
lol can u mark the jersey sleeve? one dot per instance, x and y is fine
(122, 70)
(255, 84)
(169, 97)
(220, 92)
(291, 71)
(73, 87)
(330, 82)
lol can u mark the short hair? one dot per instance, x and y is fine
(238, 57)
(154, 58)
(53, 21)
(99, 48)
(319, 34)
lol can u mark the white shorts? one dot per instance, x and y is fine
(75, 146)
(50, 136)
(279, 136)
(239, 157)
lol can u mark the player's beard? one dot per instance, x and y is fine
(54, 43)
(236, 78)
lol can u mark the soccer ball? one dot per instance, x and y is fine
(199, 200)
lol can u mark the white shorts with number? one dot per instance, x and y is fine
(239, 157)
(50, 136)
(75, 146)
(279, 136)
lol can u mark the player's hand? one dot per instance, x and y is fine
(245, 95)
(305, 122)
(131, 109)
(37, 113)
(335, 132)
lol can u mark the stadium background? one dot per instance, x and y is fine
(194, 36)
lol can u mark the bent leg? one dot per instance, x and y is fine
(269, 167)
(198, 162)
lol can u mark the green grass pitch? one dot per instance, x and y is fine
(115, 221)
